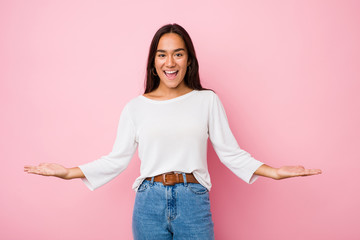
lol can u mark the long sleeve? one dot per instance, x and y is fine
(103, 170)
(240, 162)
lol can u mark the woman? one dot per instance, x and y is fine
(170, 124)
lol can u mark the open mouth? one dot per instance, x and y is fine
(171, 74)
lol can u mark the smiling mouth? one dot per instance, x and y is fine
(171, 74)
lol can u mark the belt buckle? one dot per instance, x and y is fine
(170, 183)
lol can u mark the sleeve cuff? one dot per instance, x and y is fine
(88, 184)
(85, 179)
(253, 177)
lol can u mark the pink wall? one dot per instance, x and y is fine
(287, 73)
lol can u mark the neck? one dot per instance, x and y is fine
(172, 92)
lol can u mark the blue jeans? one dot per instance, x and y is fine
(181, 211)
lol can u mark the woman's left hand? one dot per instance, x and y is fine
(285, 172)
(295, 171)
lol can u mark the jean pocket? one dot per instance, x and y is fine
(143, 186)
(197, 188)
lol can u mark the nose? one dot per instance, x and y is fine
(170, 62)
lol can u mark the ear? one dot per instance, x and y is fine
(189, 62)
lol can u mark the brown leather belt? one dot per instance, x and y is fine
(169, 179)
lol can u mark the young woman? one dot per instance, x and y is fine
(170, 124)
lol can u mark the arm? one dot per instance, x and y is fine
(238, 160)
(98, 172)
(285, 172)
(55, 170)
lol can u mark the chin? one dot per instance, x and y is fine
(173, 85)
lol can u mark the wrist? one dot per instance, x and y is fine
(66, 175)
(276, 176)
(267, 171)
(74, 172)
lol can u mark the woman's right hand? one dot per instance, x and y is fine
(48, 169)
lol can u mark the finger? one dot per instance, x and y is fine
(28, 166)
(32, 169)
(315, 171)
(308, 172)
(35, 170)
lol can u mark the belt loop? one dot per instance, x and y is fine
(152, 181)
(184, 177)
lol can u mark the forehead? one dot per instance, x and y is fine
(170, 41)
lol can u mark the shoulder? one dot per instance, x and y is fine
(133, 104)
(207, 93)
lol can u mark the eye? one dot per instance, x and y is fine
(161, 55)
(179, 54)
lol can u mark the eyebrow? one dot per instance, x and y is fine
(176, 50)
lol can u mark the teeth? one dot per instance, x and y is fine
(170, 72)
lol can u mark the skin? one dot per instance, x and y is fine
(171, 55)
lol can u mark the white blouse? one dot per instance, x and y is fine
(171, 135)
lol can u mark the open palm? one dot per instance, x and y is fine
(47, 169)
(295, 171)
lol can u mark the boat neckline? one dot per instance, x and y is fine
(171, 99)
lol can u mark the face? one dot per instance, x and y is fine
(171, 61)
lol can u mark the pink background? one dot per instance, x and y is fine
(287, 73)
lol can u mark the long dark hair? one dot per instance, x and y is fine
(192, 78)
